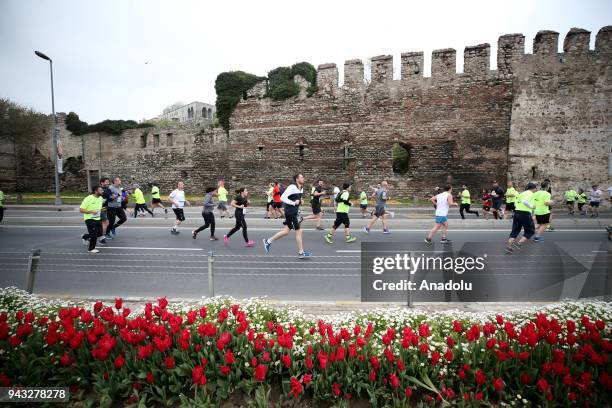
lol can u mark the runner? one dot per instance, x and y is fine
(610, 194)
(524, 206)
(497, 194)
(342, 216)
(594, 199)
(114, 208)
(124, 198)
(239, 203)
(570, 198)
(1, 205)
(442, 201)
(104, 183)
(156, 199)
(293, 198)
(363, 205)
(486, 203)
(141, 203)
(269, 201)
(222, 195)
(315, 204)
(542, 200)
(511, 195)
(582, 199)
(382, 195)
(208, 213)
(465, 203)
(550, 227)
(278, 203)
(177, 198)
(91, 208)
(335, 192)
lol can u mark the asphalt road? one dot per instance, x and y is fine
(146, 260)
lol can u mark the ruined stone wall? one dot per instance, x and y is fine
(562, 111)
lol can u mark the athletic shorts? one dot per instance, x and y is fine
(509, 206)
(156, 200)
(222, 206)
(278, 205)
(342, 218)
(104, 214)
(594, 203)
(291, 221)
(268, 205)
(522, 220)
(379, 211)
(316, 208)
(179, 214)
(543, 219)
(497, 204)
(441, 219)
(569, 203)
(363, 206)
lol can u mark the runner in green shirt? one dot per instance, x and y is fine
(582, 199)
(570, 197)
(543, 201)
(342, 216)
(156, 198)
(91, 208)
(141, 203)
(511, 195)
(524, 205)
(363, 204)
(222, 196)
(466, 201)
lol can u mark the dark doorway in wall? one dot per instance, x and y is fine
(400, 152)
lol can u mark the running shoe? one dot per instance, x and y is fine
(250, 244)
(428, 241)
(174, 231)
(267, 245)
(108, 236)
(226, 240)
(538, 239)
(329, 239)
(113, 233)
(445, 241)
(305, 254)
(516, 245)
(165, 211)
(94, 251)
(386, 231)
(350, 238)
(320, 228)
(509, 250)
(366, 230)
(102, 242)
(550, 228)
(214, 238)
(194, 234)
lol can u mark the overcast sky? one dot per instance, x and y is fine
(130, 59)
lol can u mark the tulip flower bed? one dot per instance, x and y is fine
(252, 353)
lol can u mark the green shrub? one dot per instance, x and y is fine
(231, 87)
(113, 127)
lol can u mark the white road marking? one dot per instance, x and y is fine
(161, 249)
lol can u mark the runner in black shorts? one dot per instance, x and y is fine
(293, 198)
(177, 198)
(239, 203)
(497, 194)
(522, 219)
(342, 217)
(315, 204)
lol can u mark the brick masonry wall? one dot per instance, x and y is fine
(538, 115)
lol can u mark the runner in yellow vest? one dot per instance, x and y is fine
(342, 216)
(141, 203)
(543, 201)
(1, 205)
(511, 195)
(524, 206)
(156, 199)
(222, 196)
(363, 204)
(570, 197)
(466, 201)
(582, 199)
(91, 207)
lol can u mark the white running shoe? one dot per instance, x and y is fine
(94, 251)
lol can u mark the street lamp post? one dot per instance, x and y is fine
(58, 198)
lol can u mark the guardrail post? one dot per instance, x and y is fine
(32, 264)
(211, 281)
(409, 300)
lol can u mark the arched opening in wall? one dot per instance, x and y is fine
(534, 173)
(204, 113)
(400, 152)
(210, 113)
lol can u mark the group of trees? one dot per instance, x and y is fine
(20, 124)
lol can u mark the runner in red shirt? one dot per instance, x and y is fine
(276, 198)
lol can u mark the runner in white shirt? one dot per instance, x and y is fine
(177, 198)
(594, 199)
(442, 201)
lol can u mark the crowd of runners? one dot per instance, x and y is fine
(106, 209)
